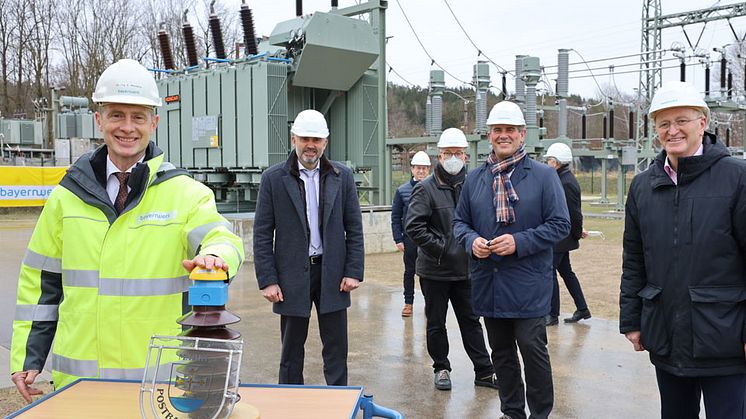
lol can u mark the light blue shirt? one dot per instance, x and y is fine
(311, 183)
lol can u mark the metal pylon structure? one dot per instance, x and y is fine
(650, 77)
(653, 23)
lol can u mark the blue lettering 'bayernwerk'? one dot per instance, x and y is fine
(25, 192)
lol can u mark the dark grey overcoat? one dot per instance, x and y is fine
(281, 236)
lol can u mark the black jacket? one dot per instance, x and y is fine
(430, 226)
(572, 196)
(399, 209)
(684, 268)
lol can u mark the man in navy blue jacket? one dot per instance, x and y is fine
(420, 169)
(511, 212)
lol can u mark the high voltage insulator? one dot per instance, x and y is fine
(249, 36)
(165, 44)
(217, 33)
(631, 127)
(191, 46)
(299, 7)
(723, 66)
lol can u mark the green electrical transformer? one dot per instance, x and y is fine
(229, 121)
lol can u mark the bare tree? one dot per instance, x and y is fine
(24, 27)
(7, 29)
(42, 14)
(168, 14)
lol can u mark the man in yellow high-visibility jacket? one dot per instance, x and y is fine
(105, 266)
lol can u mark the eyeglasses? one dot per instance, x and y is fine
(678, 123)
(448, 154)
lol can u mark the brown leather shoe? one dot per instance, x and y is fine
(407, 310)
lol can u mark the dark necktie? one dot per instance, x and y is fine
(122, 194)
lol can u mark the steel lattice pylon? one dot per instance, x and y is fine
(653, 22)
(650, 77)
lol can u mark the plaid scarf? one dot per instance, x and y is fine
(505, 196)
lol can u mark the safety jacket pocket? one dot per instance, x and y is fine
(654, 335)
(718, 315)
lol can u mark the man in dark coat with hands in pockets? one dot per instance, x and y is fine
(308, 248)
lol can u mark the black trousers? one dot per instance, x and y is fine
(437, 294)
(680, 396)
(562, 265)
(531, 337)
(410, 262)
(333, 332)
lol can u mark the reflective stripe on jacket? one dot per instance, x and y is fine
(100, 284)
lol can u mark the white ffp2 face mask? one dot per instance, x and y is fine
(453, 165)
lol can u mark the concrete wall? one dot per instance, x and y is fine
(376, 229)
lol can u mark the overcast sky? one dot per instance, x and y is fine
(593, 29)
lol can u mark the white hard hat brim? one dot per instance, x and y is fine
(129, 100)
(310, 134)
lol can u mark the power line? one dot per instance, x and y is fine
(623, 72)
(432, 60)
(600, 90)
(400, 76)
(619, 65)
(479, 51)
(611, 58)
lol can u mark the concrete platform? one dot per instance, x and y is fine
(596, 373)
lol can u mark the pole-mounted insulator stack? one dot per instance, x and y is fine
(520, 85)
(191, 45)
(707, 81)
(428, 115)
(730, 85)
(504, 93)
(631, 127)
(249, 35)
(165, 44)
(482, 84)
(563, 87)
(217, 32)
(723, 67)
(437, 88)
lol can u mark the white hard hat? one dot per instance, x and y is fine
(421, 159)
(676, 94)
(127, 81)
(452, 137)
(310, 123)
(506, 113)
(559, 151)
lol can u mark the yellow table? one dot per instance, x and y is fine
(93, 398)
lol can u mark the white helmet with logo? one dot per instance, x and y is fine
(559, 151)
(128, 82)
(676, 94)
(506, 113)
(310, 123)
(421, 159)
(452, 137)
